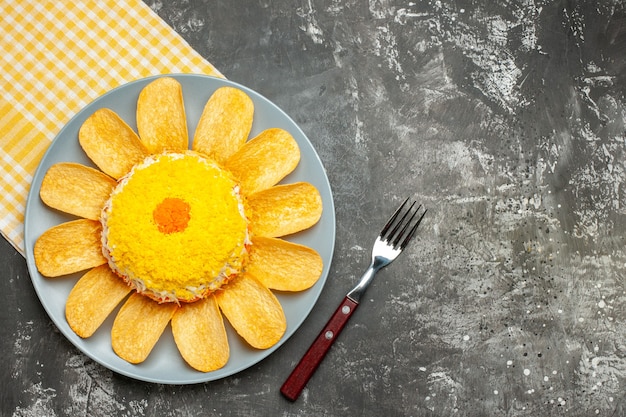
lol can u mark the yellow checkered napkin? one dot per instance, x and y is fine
(55, 58)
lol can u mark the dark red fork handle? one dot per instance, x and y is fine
(305, 369)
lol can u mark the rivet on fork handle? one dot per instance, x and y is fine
(393, 238)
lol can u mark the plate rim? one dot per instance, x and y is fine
(33, 197)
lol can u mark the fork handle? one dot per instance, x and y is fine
(305, 369)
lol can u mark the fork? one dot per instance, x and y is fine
(391, 241)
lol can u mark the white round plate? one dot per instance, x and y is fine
(165, 365)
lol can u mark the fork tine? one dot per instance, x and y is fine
(406, 224)
(398, 236)
(383, 232)
(408, 237)
(401, 222)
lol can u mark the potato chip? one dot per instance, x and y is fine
(76, 189)
(284, 209)
(110, 143)
(225, 123)
(200, 335)
(253, 311)
(161, 120)
(69, 247)
(138, 326)
(93, 298)
(264, 160)
(282, 265)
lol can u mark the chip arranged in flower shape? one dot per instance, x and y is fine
(175, 212)
(199, 234)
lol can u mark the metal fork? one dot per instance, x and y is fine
(391, 241)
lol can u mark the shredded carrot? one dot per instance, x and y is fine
(172, 215)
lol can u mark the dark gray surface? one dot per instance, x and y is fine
(507, 119)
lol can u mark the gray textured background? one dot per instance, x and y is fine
(507, 119)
